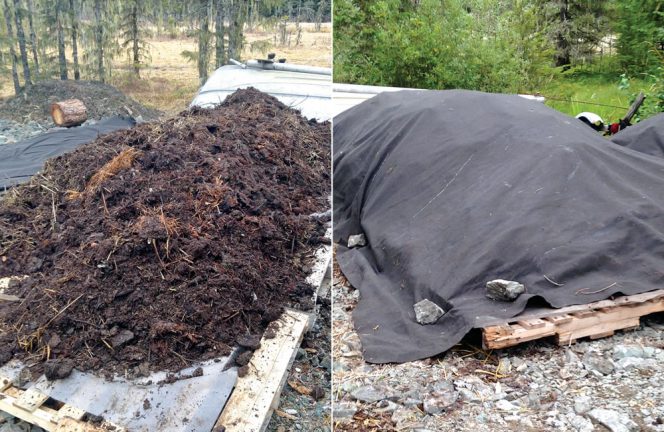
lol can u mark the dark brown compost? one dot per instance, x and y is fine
(161, 245)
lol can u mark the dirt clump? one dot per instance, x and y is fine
(166, 243)
(101, 100)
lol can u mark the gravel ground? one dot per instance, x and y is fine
(11, 131)
(311, 371)
(614, 384)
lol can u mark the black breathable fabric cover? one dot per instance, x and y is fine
(20, 161)
(456, 188)
(646, 136)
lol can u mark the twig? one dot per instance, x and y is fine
(553, 282)
(154, 245)
(186, 363)
(55, 218)
(61, 311)
(584, 292)
(231, 316)
(103, 200)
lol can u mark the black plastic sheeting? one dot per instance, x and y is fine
(456, 188)
(646, 137)
(20, 161)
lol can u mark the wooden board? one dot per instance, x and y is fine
(28, 405)
(256, 395)
(593, 320)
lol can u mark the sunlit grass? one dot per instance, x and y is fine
(593, 92)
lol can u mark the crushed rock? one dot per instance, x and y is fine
(614, 384)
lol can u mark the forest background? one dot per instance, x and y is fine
(583, 55)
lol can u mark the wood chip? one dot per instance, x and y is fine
(301, 389)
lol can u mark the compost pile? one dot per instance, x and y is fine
(164, 244)
(101, 100)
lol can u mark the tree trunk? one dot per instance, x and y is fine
(67, 113)
(134, 36)
(33, 38)
(12, 51)
(562, 42)
(160, 17)
(99, 41)
(62, 59)
(21, 43)
(220, 49)
(203, 40)
(74, 38)
(237, 18)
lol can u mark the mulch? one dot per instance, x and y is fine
(158, 246)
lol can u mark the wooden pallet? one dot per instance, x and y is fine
(248, 409)
(566, 325)
(256, 395)
(38, 409)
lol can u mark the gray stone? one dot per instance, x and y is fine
(427, 312)
(344, 411)
(636, 362)
(504, 290)
(624, 351)
(404, 415)
(595, 362)
(386, 406)
(122, 338)
(438, 402)
(504, 405)
(357, 240)
(368, 394)
(615, 421)
(582, 404)
(581, 424)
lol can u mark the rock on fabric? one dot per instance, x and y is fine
(456, 188)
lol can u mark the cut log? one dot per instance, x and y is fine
(67, 113)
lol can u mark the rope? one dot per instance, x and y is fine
(584, 102)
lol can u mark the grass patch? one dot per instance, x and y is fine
(578, 92)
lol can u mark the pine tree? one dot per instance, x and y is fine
(62, 59)
(203, 39)
(576, 27)
(235, 30)
(133, 36)
(33, 37)
(73, 19)
(12, 51)
(20, 35)
(99, 41)
(640, 27)
(219, 34)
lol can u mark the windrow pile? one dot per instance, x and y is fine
(154, 247)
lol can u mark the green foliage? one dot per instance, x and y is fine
(654, 92)
(455, 44)
(640, 25)
(576, 27)
(190, 56)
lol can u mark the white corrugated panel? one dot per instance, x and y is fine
(309, 93)
(346, 96)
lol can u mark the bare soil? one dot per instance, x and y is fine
(154, 247)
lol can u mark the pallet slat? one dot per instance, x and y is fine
(257, 395)
(30, 400)
(27, 405)
(573, 323)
